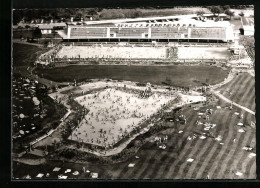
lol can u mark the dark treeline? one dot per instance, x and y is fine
(48, 14)
(60, 14)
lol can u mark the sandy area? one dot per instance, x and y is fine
(112, 52)
(143, 52)
(247, 12)
(203, 52)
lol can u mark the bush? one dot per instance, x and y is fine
(241, 14)
(69, 154)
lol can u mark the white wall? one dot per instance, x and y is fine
(248, 32)
(46, 31)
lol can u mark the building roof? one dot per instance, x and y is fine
(51, 25)
(248, 28)
(217, 15)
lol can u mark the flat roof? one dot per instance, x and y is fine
(51, 25)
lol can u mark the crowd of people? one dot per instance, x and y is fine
(114, 114)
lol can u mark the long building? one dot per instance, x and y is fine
(187, 30)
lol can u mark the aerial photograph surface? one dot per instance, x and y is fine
(161, 93)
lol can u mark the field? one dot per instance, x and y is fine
(142, 52)
(24, 55)
(249, 43)
(241, 90)
(112, 52)
(199, 149)
(37, 118)
(237, 24)
(17, 34)
(203, 53)
(214, 159)
(148, 12)
(177, 75)
(247, 12)
(248, 21)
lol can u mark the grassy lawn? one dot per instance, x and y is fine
(24, 55)
(241, 90)
(152, 12)
(237, 23)
(210, 157)
(53, 112)
(176, 75)
(24, 33)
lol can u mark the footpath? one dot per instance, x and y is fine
(24, 42)
(233, 103)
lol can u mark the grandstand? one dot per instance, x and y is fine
(128, 32)
(167, 32)
(150, 32)
(90, 32)
(208, 33)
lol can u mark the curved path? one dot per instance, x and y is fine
(229, 101)
(28, 43)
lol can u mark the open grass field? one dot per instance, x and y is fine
(178, 75)
(248, 21)
(237, 24)
(24, 55)
(203, 53)
(247, 12)
(149, 12)
(212, 159)
(241, 90)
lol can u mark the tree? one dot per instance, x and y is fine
(53, 13)
(216, 10)
(229, 13)
(200, 13)
(66, 15)
(99, 9)
(137, 14)
(241, 14)
(17, 16)
(92, 11)
(28, 15)
(37, 33)
(43, 12)
(106, 15)
(226, 7)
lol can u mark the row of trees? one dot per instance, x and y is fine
(120, 13)
(222, 9)
(216, 10)
(59, 13)
(96, 13)
(48, 14)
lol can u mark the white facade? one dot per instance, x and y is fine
(46, 31)
(249, 30)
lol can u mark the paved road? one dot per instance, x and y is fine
(229, 101)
